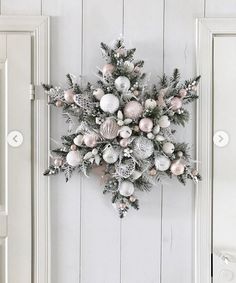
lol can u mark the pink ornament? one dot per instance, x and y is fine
(133, 110)
(176, 103)
(121, 52)
(90, 140)
(146, 125)
(177, 167)
(182, 92)
(137, 69)
(58, 162)
(124, 142)
(59, 103)
(73, 147)
(108, 69)
(69, 95)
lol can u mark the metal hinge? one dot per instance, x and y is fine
(32, 92)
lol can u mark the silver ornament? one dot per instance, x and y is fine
(168, 148)
(109, 103)
(83, 102)
(150, 103)
(122, 84)
(142, 147)
(126, 188)
(126, 168)
(110, 155)
(162, 162)
(74, 158)
(109, 129)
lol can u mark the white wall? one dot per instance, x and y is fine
(89, 242)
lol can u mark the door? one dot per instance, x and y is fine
(224, 158)
(15, 158)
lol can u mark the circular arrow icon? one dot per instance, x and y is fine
(221, 138)
(15, 138)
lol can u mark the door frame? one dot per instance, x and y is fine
(38, 27)
(207, 29)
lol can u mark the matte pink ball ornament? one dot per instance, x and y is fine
(176, 103)
(124, 142)
(69, 95)
(146, 125)
(90, 140)
(177, 167)
(133, 110)
(108, 69)
(182, 92)
(58, 162)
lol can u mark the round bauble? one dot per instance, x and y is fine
(133, 110)
(136, 93)
(168, 148)
(124, 142)
(98, 93)
(90, 140)
(59, 103)
(73, 147)
(108, 69)
(182, 92)
(164, 122)
(58, 162)
(146, 125)
(132, 199)
(78, 140)
(142, 147)
(152, 172)
(122, 84)
(162, 162)
(129, 66)
(109, 129)
(156, 130)
(126, 188)
(110, 155)
(69, 95)
(121, 52)
(150, 136)
(125, 132)
(109, 103)
(74, 158)
(177, 167)
(150, 104)
(176, 103)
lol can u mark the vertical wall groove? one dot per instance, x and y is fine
(163, 39)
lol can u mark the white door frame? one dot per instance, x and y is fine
(207, 29)
(38, 26)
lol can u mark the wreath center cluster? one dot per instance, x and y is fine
(122, 127)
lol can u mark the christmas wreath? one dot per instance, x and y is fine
(124, 127)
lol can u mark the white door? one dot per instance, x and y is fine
(224, 160)
(15, 158)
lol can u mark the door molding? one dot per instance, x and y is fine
(38, 27)
(207, 29)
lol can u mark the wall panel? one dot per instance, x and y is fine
(220, 8)
(23, 7)
(66, 31)
(100, 226)
(141, 231)
(178, 201)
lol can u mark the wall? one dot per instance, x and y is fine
(89, 242)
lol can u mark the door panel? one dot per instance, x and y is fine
(15, 182)
(224, 156)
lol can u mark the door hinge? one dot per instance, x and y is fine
(32, 92)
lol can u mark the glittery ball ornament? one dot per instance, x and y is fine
(109, 129)
(109, 103)
(110, 155)
(177, 167)
(162, 162)
(126, 188)
(133, 110)
(122, 84)
(176, 103)
(150, 104)
(146, 125)
(142, 147)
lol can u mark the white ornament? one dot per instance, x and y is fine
(142, 147)
(162, 163)
(78, 140)
(109, 129)
(109, 103)
(129, 66)
(122, 84)
(74, 158)
(125, 132)
(168, 148)
(150, 136)
(164, 122)
(150, 104)
(156, 130)
(160, 138)
(98, 93)
(110, 155)
(126, 188)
